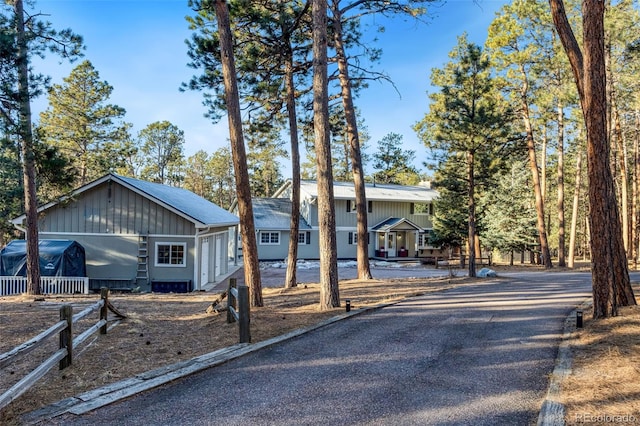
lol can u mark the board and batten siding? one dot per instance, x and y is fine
(381, 210)
(113, 209)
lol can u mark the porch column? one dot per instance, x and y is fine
(386, 243)
(235, 245)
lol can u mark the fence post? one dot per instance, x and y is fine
(243, 313)
(104, 310)
(66, 336)
(231, 300)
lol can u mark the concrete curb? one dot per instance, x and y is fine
(117, 391)
(552, 412)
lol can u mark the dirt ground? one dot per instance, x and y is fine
(162, 329)
(604, 387)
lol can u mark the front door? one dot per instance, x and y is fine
(391, 244)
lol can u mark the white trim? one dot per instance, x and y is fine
(260, 242)
(185, 255)
(98, 234)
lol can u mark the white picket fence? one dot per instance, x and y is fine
(48, 285)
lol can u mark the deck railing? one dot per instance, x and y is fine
(48, 285)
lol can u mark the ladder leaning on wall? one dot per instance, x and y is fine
(142, 274)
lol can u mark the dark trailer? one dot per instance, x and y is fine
(58, 258)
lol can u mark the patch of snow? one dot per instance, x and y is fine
(486, 272)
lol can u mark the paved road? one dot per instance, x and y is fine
(475, 355)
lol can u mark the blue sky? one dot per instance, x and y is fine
(138, 47)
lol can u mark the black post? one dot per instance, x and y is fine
(104, 310)
(66, 336)
(243, 314)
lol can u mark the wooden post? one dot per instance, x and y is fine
(66, 336)
(231, 300)
(104, 310)
(436, 262)
(243, 313)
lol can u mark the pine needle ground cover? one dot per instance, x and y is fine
(604, 385)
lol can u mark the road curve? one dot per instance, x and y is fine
(479, 354)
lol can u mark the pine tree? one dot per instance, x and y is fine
(87, 129)
(162, 153)
(468, 124)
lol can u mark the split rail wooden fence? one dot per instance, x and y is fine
(238, 309)
(64, 355)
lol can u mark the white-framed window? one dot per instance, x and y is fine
(424, 238)
(171, 254)
(269, 238)
(353, 238)
(304, 237)
(351, 206)
(422, 208)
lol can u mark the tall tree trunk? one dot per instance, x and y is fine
(610, 274)
(543, 165)
(472, 214)
(364, 269)
(622, 160)
(329, 293)
(28, 157)
(561, 242)
(243, 185)
(533, 165)
(574, 212)
(635, 228)
(294, 224)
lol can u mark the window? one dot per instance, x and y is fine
(421, 208)
(171, 254)
(269, 238)
(351, 206)
(304, 237)
(353, 238)
(424, 239)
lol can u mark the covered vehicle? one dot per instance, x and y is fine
(58, 258)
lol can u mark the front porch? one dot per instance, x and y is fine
(399, 239)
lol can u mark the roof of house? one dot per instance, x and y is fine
(274, 214)
(181, 201)
(393, 222)
(374, 191)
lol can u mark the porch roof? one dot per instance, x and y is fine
(394, 223)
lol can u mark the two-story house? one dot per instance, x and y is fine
(399, 221)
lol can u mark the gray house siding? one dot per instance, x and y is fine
(280, 251)
(114, 209)
(121, 220)
(395, 230)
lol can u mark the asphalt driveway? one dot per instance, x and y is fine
(475, 355)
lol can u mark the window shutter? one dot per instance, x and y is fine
(411, 209)
(350, 238)
(370, 206)
(431, 209)
(348, 206)
(308, 237)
